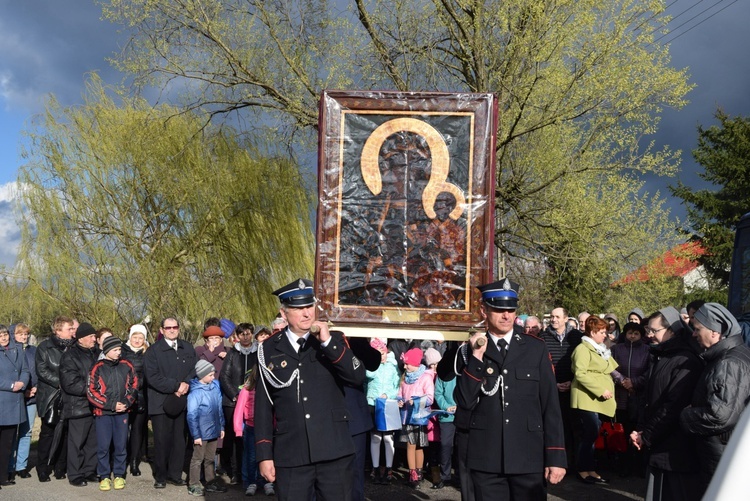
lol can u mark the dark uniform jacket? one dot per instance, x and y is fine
(165, 369)
(519, 429)
(75, 365)
(312, 425)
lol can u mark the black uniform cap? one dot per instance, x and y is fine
(298, 294)
(501, 295)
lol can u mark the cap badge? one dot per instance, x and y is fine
(301, 284)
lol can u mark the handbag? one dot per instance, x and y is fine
(54, 411)
(611, 437)
(387, 416)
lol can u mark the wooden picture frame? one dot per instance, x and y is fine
(405, 219)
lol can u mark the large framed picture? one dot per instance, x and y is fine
(406, 204)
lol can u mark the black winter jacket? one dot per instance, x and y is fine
(233, 373)
(136, 359)
(673, 373)
(47, 362)
(75, 365)
(720, 396)
(110, 382)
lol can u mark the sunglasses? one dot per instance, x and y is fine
(171, 327)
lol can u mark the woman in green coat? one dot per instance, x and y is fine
(592, 393)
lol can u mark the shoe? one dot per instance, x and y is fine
(24, 473)
(60, 476)
(268, 490)
(12, 477)
(195, 490)
(159, 485)
(119, 483)
(251, 489)
(598, 480)
(105, 484)
(389, 476)
(413, 479)
(176, 481)
(134, 469)
(79, 483)
(215, 486)
(221, 471)
(234, 480)
(44, 477)
(7, 483)
(438, 486)
(92, 478)
(586, 480)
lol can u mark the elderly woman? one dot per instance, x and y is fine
(723, 389)
(592, 393)
(14, 377)
(23, 444)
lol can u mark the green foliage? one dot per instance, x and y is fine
(724, 153)
(131, 211)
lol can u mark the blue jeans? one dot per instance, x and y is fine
(19, 459)
(590, 425)
(249, 465)
(112, 429)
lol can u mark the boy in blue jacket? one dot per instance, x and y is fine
(206, 423)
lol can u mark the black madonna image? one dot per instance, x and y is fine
(403, 216)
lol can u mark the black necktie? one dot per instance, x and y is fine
(502, 345)
(301, 343)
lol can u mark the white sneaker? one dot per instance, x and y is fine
(268, 489)
(250, 491)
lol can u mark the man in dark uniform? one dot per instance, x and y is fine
(303, 441)
(516, 442)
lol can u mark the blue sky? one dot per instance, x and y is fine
(48, 46)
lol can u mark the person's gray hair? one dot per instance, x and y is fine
(530, 317)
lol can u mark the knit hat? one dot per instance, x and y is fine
(378, 344)
(213, 331)
(672, 316)
(717, 318)
(111, 343)
(412, 357)
(84, 329)
(227, 327)
(137, 328)
(203, 368)
(432, 356)
(638, 312)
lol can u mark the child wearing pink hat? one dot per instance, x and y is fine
(416, 382)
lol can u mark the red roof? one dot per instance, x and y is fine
(676, 262)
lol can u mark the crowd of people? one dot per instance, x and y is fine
(293, 409)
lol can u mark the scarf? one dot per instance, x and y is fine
(601, 349)
(412, 377)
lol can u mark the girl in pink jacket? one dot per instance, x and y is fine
(416, 382)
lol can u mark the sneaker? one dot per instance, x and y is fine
(268, 490)
(215, 486)
(389, 476)
(105, 484)
(195, 490)
(413, 479)
(250, 491)
(119, 483)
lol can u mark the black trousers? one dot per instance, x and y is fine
(231, 448)
(7, 437)
(169, 445)
(447, 437)
(502, 487)
(138, 432)
(81, 448)
(321, 481)
(462, 451)
(360, 454)
(46, 457)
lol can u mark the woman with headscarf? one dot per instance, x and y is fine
(133, 351)
(723, 389)
(14, 377)
(591, 393)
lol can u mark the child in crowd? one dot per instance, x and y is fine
(415, 382)
(244, 426)
(382, 383)
(112, 389)
(206, 423)
(445, 400)
(431, 358)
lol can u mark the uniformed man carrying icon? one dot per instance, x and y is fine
(303, 442)
(516, 443)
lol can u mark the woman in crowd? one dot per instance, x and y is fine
(213, 351)
(23, 444)
(14, 378)
(133, 351)
(591, 393)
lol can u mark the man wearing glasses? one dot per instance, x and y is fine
(169, 365)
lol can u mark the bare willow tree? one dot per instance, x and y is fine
(130, 212)
(581, 85)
